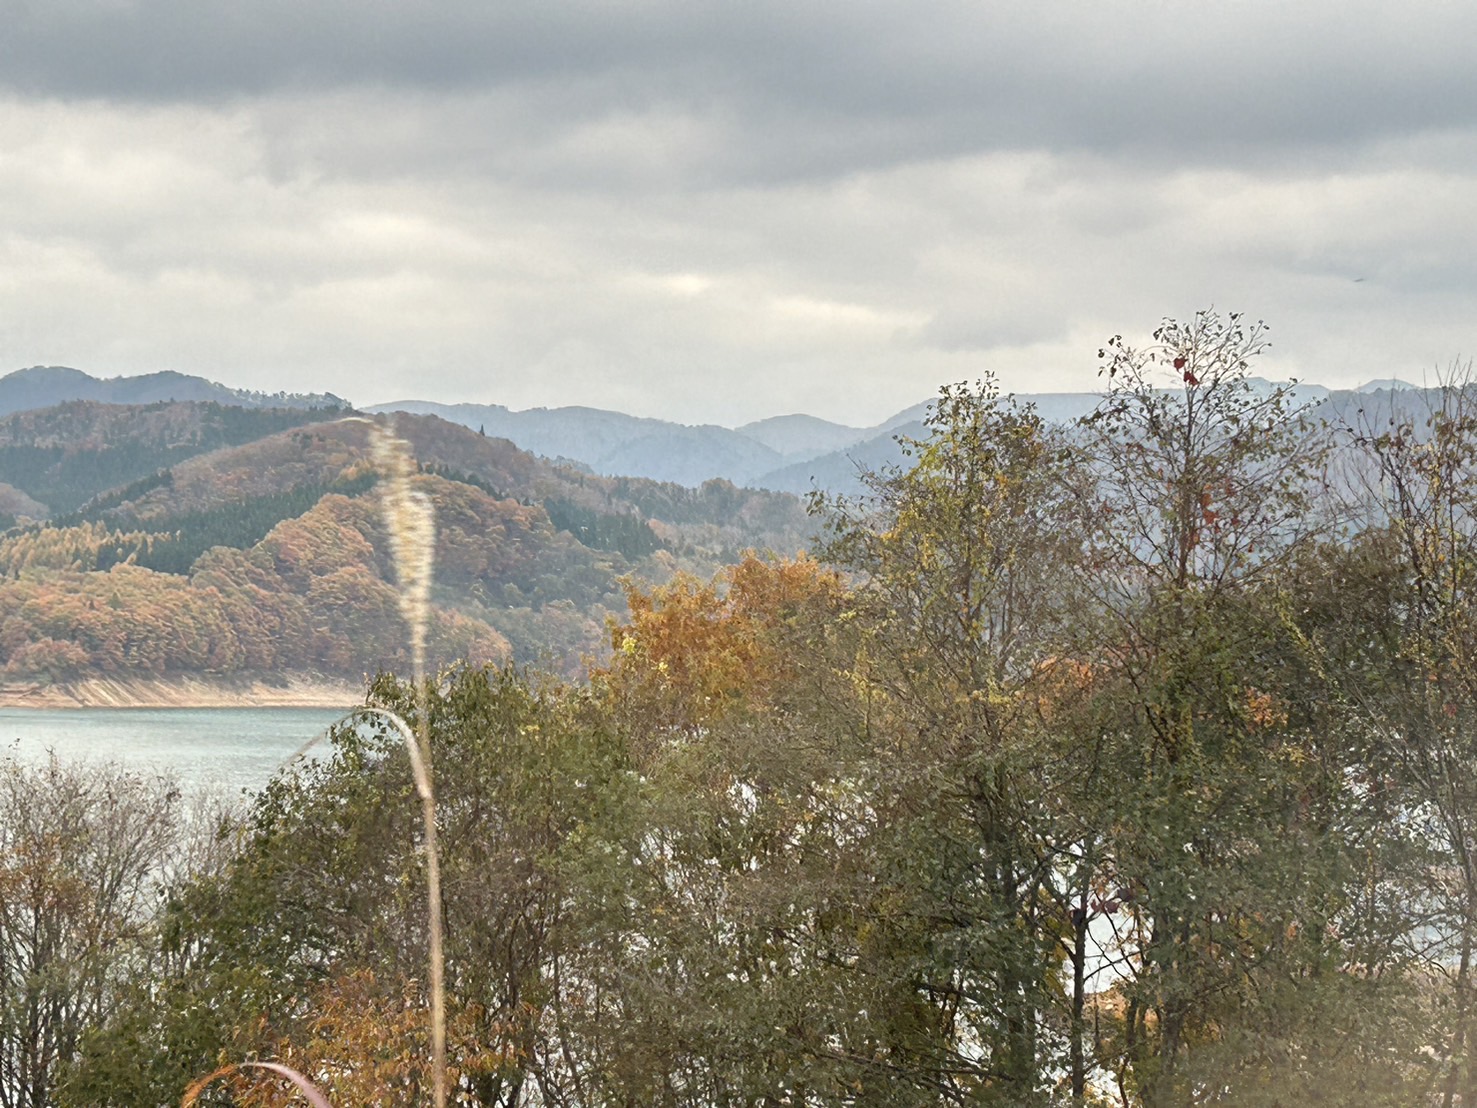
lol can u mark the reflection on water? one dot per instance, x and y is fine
(228, 749)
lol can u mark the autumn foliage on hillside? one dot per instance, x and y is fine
(311, 597)
(268, 558)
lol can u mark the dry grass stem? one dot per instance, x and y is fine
(410, 519)
(420, 770)
(308, 1089)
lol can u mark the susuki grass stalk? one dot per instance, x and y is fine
(410, 520)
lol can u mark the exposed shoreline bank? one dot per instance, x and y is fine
(182, 692)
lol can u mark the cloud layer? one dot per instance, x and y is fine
(718, 212)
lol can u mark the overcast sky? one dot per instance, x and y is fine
(716, 212)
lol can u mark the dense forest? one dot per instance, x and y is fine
(63, 456)
(1127, 764)
(266, 558)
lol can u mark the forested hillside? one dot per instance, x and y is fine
(63, 456)
(268, 557)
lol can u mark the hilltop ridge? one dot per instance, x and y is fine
(787, 453)
(45, 386)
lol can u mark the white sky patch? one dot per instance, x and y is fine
(841, 322)
(686, 285)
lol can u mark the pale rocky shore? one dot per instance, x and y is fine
(182, 692)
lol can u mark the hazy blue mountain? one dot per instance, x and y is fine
(799, 437)
(877, 447)
(838, 471)
(1386, 384)
(1062, 407)
(796, 453)
(1370, 408)
(613, 443)
(917, 414)
(46, 386)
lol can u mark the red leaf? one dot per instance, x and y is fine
(1179, 363)
(1191, 379)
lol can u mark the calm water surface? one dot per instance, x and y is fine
(221, 748)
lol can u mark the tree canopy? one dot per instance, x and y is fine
(1120, 764)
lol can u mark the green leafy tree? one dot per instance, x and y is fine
(326, 883)
(1225, 804)
(965, 589)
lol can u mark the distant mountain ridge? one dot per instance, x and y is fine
(46, 386)
(790, 453)
(615, 444)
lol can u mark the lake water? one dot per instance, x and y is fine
(228, 749)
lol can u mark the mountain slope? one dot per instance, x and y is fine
(63, 456)
(269, 558)
(840, 470)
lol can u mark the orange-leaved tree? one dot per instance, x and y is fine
(367, 1044)
(694, 652)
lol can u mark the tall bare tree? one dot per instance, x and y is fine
(81, 851)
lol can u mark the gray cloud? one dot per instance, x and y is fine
(806, 88)
(719, 212)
